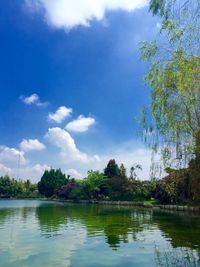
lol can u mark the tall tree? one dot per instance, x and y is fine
(122, 171)
(112, 169)
(174, 77)
(133, 171)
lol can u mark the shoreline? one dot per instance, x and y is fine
(183, 208)
(141, 204)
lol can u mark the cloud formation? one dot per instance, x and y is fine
(12, 156)
(81, 124)
(34, 172)
(122, 154)
(71, 13)
(74, 173)
(4, 170)
(31, 144)
(60, 115)
(33, 100)
(68, 149)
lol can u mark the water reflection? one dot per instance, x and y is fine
(180, 257)
(116, 224)
(182, 229)
(51, 218)
(58, 234)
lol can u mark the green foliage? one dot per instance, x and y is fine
(118, 183)
(112, 169)
(14, 188)
(92, 187)
(6, 185)
(180, 186)
(175, 81)
(118, 188)
(134, 168)
(114, 187)
(141, 190)
(122, 171)
(96, 180)
(50, 181)
(157, 7)
(78, 192)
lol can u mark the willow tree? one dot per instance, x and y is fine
(174, 76)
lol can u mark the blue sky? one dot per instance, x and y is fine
(71, 84)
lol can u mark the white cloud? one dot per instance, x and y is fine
(129, 153)
(79, 162)
(12, 156)
(74, 173)
(71, 13)
(69, 152)
(33, 100)
(14, 164)
(81, 124)
(60, 115)
(4, 170)
(128, 157)
(34, 172)
(31, 144)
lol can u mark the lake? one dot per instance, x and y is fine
(44, 233)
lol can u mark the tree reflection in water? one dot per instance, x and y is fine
(116, 224)
(183, 231)
(132, 230)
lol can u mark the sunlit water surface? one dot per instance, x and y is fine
(43, 233)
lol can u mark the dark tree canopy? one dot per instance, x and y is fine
(50, 181)
(112, 169)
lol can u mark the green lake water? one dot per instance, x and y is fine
(42, 233)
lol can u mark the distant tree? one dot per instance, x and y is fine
(50, 181)
(122, 171)
(65, 190)
(118, 188)
(92, 187)
(10, 187)
(118, 183)
(96, 179)
(27, 184)
(6, 185)
(112, 169)
(134, 168)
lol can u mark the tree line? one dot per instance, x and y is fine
(170, 126)
(114, 184)
(10, 187)
(111, 184)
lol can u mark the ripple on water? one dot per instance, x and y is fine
(36, 234)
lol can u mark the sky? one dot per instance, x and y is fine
(72, 85)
